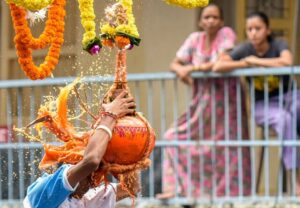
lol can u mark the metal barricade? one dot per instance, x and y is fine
(162, 99)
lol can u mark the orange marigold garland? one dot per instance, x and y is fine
(122, 41)
(53, 35)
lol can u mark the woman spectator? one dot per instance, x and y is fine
(209, 174)
(262, 50)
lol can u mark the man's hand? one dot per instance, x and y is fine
(121, 105)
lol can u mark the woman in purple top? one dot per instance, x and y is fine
(262, 50)
(205, 119)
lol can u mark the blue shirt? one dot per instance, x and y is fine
(50, 190)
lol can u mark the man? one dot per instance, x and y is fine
(59, 189)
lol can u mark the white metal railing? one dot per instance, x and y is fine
(160, 97)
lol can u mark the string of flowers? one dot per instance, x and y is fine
(130, 28)
(46, 36)
(188, 3)
(24, 41)
(90, 41)
(120, 28)
(32, 5)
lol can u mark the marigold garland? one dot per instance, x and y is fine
(120, 27)
(188, 3)
(52, 35)
(87, 20)
(107, 42)
(122, 41)
(32, 5)
(54, 15)
(130, 28)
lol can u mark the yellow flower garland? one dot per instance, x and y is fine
(109, 30)
(130, 28)
(120, 27)
(188, 3)
(32, 5)
(87, 20)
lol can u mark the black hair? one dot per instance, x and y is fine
(215, 5)
(263, 17)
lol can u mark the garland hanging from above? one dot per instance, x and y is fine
(120, 29)
(32, 5)
(91, 43)
(52, 36)
(189, 4)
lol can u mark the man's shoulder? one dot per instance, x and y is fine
(50, 190)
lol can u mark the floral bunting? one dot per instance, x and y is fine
(120, 29)
(32, 5)
(90, 41)
(189, 4)
(52, 36)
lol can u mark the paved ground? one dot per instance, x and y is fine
(216, 206)
(148, 205)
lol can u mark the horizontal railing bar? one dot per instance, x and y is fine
(271, 200)
(248, 72)
(229, 143)
(162, 143)
(245, 200)
(25, 145)
(152, 76)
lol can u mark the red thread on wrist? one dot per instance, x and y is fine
(110, 114)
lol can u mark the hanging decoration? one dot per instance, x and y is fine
(91, 43)
(119, 28)
(188, 4)
(32, 5)
(52, 36)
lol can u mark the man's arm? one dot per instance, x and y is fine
(93, 154)
(99, 140)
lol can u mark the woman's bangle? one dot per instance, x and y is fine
(110, 114)
(195, 68)
(106, 129)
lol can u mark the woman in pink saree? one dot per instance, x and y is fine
(206, 174)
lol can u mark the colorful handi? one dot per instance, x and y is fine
(132, 141)
(189, 4)
(119, 29)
